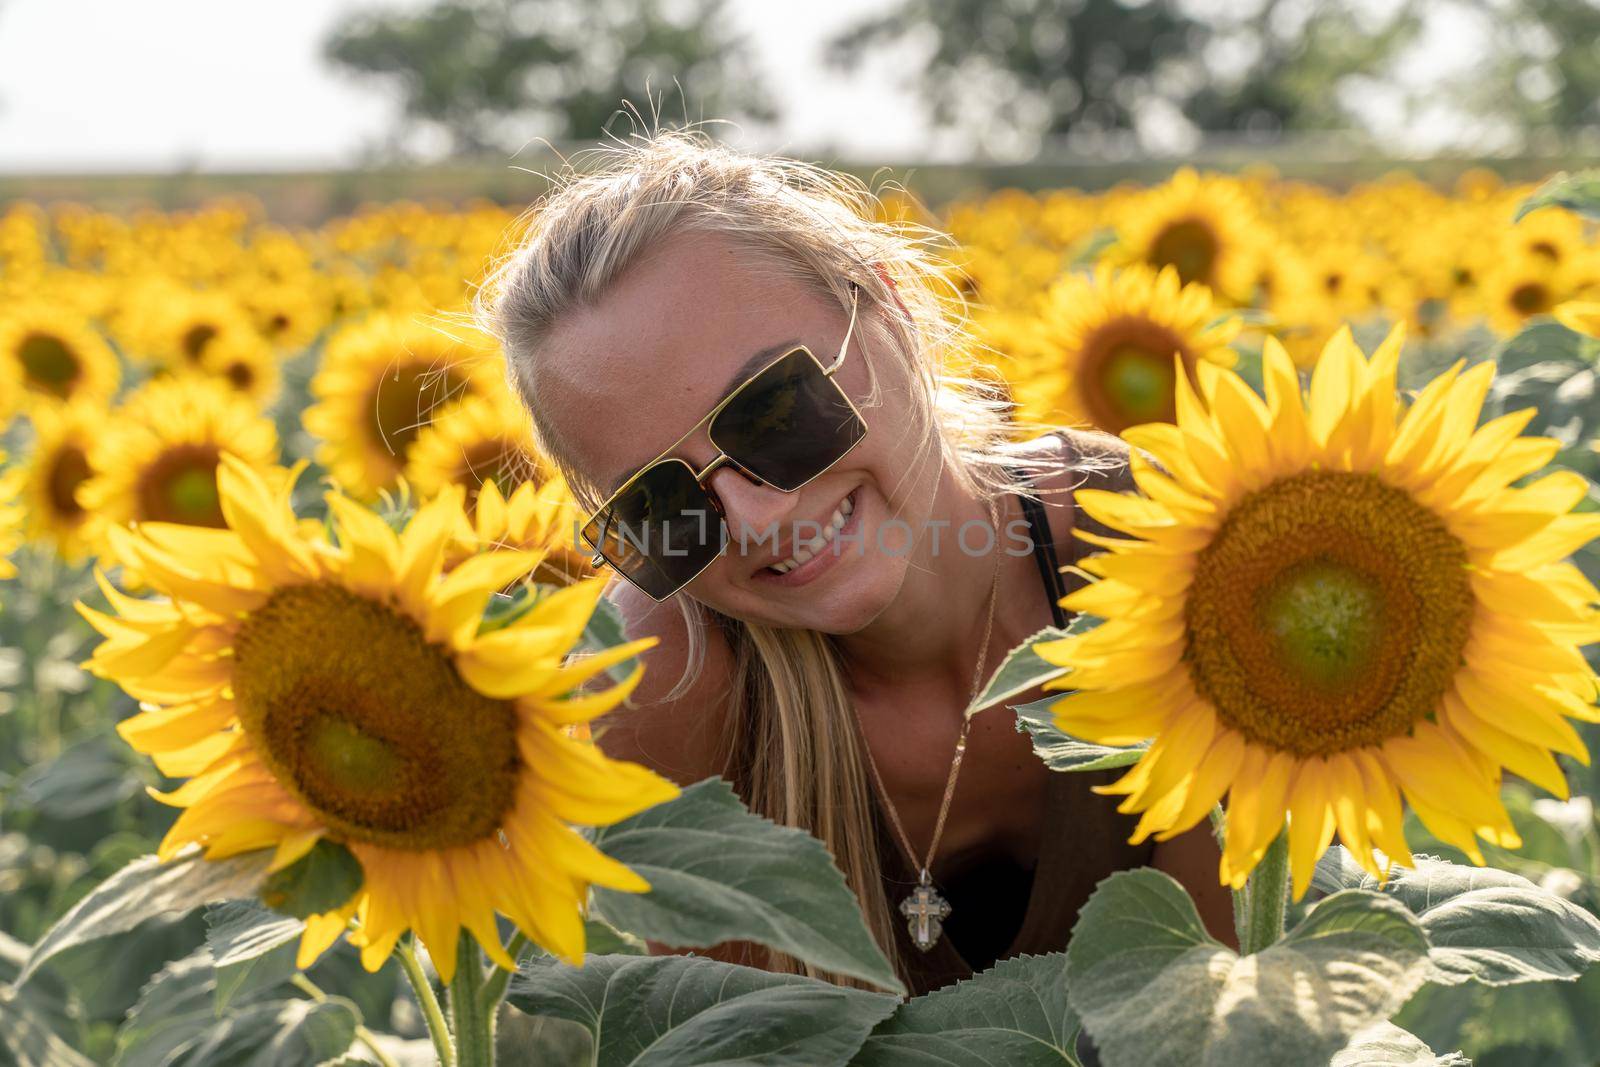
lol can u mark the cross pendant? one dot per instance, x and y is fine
(925, 911)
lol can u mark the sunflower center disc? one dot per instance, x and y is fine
(403, 400)
(369, 724)
(49, 364)
(499, 461)
(1189, 246)
(1328, 613)
(181, 486)
(69, 470)
(1140, 383)
(1128, 373)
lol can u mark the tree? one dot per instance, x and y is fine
(492, 75)
(1035, 69)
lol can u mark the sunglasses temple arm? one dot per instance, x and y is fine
(855, 293)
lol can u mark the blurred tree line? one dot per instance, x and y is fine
(484, 75)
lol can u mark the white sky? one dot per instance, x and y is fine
(89, 85)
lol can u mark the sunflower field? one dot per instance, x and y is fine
(298, 656)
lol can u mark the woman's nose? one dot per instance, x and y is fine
(754, 513)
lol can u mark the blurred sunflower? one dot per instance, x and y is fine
(10, 516)
(246, 363)
(182, 328)
(312, 689)
(1580, 316)
(157, 460)
(1202, 226)
(480, 441)
(1329, 605)
(57, 467)
(56, 355)
(381, 382)
(1110, 341)
(540, 517)
(1521, 287)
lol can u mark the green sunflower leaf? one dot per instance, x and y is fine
(1483, 924)
(175, 1024)
(652, 1011)
(605, 630)
(1153, 988)
(1023, 668)
(1015, 1014)
(1578, 192)
(40, 1026)
(147, 890)
(1386, 1045)
(1062, 752)
(251, 948)
(319, 881)
(718, 872)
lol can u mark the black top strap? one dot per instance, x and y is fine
(1044, 553)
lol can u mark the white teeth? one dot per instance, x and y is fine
(804, 553)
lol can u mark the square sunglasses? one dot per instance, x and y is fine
(784, 426)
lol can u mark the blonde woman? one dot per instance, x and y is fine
(749, 380)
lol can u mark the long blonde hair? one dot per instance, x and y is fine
(794, 751)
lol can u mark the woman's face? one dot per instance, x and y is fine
(621, 380)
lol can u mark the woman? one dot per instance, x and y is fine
(821, 659)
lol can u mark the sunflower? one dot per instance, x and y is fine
(58, 465)
(483, 440)
(1330, 605)
(1110, 342)
(540, 517)
(1580, 316)
(1204, 227)
(1522, 287)
(312, 688)
(157, 461)
(381, 381)
(10, 516)
(56, 355)
(246, 363)
(186, 323)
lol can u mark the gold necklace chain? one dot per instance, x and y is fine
(961, 748)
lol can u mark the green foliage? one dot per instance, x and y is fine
(1483, 924)
(1062, 752)
(38, 1025)
(1578, 192)
(1022, 669)
(176, 1024)
(1153, 988)
(251, 948)
(147, 891)
(717, 873)
(657, 1011)
(1015, 1014)
(492, 74)
(321, 880)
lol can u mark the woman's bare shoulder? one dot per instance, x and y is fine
(674, 725)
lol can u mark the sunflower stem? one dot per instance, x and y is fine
(494, 990)
(1219, 830)
(471, 1020)
(1266, 897)
(423, 988)
(363, 1035)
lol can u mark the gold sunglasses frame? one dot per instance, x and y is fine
(723, 459)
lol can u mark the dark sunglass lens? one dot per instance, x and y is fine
(789, 423)
(661, 532)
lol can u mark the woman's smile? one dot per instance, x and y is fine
(815, 555)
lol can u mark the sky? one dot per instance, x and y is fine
(157, 85)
